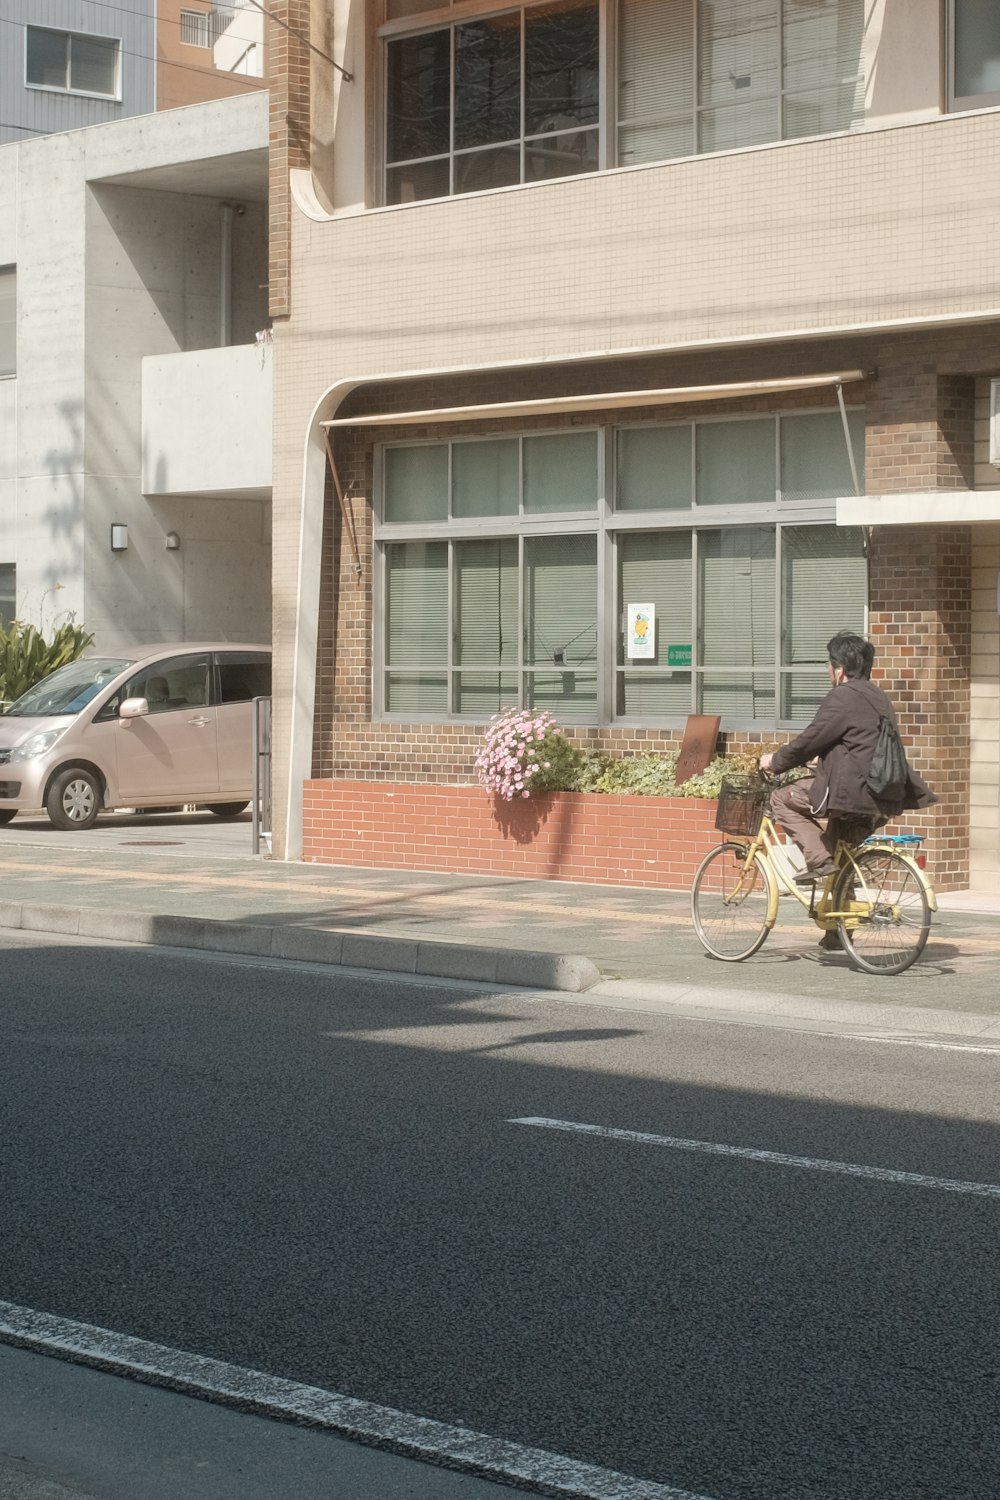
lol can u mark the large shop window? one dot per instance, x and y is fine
(495, 100)
(975, 53)
(508, 574)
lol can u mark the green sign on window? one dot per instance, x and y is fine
(678, 656)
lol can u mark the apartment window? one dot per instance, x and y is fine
(507, 572)
(975, 54)
(493, 100)
(8, 589)
(202, 28)
(8, 320)
(709, 75)
(72, 62)
(515, 97)
(196, 28)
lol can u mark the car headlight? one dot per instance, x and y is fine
(37, 744)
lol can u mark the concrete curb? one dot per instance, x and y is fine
(356, 950)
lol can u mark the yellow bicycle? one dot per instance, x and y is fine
(878, 900)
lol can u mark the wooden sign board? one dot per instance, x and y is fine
(701, 733)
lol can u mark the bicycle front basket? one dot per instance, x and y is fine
(741, 805)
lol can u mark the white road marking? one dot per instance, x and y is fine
(776, 1158)
(287, 1400)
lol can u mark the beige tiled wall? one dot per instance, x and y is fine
(985, 694)
(882, 226)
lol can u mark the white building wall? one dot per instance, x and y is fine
(206, 421)
(50, 223)
(106, 274)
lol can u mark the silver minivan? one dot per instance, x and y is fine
(143, 727)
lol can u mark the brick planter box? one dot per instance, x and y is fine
(643, 841)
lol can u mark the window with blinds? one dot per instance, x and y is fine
(475, 622)
(712, 75)
(824, 589)
(8, 594)
(8, 320)
(71, 61)
(416, 631)
(724, 528)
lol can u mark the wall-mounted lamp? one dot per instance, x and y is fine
(172, 541)
(119, 536)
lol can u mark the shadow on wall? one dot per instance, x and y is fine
(171, 244)
(63, 510)
(521, 820)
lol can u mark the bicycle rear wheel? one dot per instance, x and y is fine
(730, 901)
(888, 928)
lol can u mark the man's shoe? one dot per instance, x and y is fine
(819, 872)
(830, 942)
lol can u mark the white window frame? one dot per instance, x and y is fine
(607, 525)
(958, 102)
(88, 36)
(203, 18)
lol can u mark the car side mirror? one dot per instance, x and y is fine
(134, 708)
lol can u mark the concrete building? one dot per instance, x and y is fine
(133, 390)
(206, 51)
(68, 63)
(634, 302)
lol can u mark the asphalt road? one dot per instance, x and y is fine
(316, 1175)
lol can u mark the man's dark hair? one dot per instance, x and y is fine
(852, 653)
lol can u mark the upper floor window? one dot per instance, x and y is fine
(202, 28)
(8, 320)
(494, 100)
(975, 54)
(72, 62)
(196, 28)
(489, 101)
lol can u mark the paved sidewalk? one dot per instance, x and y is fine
(163, 880)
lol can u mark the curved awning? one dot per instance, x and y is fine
(674, 395)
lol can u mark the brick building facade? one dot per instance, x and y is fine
(865, 252)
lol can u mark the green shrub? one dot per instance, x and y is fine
(26, 656)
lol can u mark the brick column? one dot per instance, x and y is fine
(288, 81)
(919, 438)
(920, 625)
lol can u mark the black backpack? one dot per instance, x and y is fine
(888, 773)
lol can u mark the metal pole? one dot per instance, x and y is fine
(847, 438)
(226, 275)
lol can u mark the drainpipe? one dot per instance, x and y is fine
(225, 274)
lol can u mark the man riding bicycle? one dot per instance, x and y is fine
(841, 738)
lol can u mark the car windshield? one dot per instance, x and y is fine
(68, 689)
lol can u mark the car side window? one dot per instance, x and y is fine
(243, 675)
(179, 682)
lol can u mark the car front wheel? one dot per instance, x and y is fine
(74, 799)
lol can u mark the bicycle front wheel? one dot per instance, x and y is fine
(730, 902)
(890, 913)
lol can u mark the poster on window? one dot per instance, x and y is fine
(641, 632)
